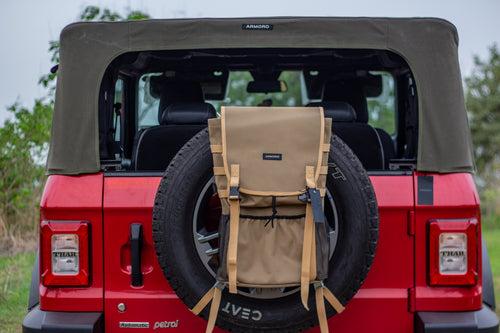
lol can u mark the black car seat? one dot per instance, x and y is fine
(352, 92)
(182, 114)
(360, 137)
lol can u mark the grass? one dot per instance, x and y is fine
(15, 279)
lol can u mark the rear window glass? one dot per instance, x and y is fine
(147, 105)
(237, 91)
(382, 108)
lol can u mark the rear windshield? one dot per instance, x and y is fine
(381, 108)
(147, 110)
(381, 94)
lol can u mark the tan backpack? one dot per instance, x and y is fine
(270, 167)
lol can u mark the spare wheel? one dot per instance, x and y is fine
(185, 222)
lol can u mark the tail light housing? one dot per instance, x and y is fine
(64, 253)
(453, 252)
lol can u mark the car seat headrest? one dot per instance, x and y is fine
(349, 91)
(171, 91)
(340, 112)
(188, 114)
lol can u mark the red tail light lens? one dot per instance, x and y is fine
(64, 253)
(453, 252)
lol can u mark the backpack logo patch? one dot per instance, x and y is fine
(250, 26)
(272, 156)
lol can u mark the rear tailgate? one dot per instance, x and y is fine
(381, 304)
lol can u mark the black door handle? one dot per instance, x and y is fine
(135, 253)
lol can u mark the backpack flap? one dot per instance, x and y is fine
(272, 146)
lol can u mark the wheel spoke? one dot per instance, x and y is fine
(204, 239)
(212, 252)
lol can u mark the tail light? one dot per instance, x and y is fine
(453, 252)
(64, 253)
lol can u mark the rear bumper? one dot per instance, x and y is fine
(481, 321)
(38, 321)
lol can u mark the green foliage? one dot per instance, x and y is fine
(89, 14)
(94, 13)
(23, 146)
(24, 141)
(382, 109)
(483, 105)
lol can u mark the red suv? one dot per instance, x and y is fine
(133, 99)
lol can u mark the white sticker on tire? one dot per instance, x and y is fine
(241, 312)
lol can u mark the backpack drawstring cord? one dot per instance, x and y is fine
(274, 213)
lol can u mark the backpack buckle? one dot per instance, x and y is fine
(317, 206)
(220, 285)
(234, 193)
(318, 284)
(313, 196)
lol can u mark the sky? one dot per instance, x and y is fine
(26, 27)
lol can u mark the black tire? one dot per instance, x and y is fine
(173, 210)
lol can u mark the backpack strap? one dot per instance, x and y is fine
(307, 247)
(213, 295)
(234, 219)
(323, 293)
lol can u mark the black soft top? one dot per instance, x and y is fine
(428, 45)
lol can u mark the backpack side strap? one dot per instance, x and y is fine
(214, 295)
(323, 293)
(307, 247)
(234, 216)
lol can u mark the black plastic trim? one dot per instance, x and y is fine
(481, 321)
(34, 295)
(389, 172)
(488, 284)
(38, 321)
(425, 187)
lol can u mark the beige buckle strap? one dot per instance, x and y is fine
(320, 310)
(234, 219)
(219, 171)
(214, 295)
(305, 274)
(216, 149)
(313, 270)
(310, 177)
(334, 302)
(223, 194)
(323, 293)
